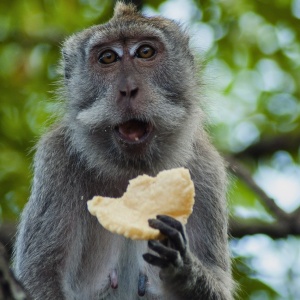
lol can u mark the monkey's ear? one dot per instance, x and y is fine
(72, 53)
(65, 64)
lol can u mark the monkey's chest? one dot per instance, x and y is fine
(130, 281)
(120, 273)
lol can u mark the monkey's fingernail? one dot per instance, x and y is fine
(152, 222)
(113, 279)
(143, 279)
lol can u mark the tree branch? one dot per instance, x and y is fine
(240, 228)
(241, 172)
(268, 146)
(285, 224)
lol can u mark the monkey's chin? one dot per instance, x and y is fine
(134, 133)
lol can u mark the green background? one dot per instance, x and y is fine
(251, 71)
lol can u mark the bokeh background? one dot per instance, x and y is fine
(249, 52)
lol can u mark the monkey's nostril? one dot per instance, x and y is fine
(129, 93)
(134, 92)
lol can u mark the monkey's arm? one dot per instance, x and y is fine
(39, 252)
(185, 276)
(38, 259)
(46, 230)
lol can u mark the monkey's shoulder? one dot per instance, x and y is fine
(57, 165)
(52, 149)
(206, 161)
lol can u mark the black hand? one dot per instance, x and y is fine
(172, 250)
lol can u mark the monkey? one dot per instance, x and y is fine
(132, 106)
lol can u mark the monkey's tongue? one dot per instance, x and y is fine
(133, 130)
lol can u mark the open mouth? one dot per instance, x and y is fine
(134, 131)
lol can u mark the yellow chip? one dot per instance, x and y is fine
(170, 193)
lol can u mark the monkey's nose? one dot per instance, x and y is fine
(128, 88)
(129, 92)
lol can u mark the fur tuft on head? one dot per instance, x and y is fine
(122, 9)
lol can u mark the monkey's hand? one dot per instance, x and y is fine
(183, 274)
(174, 258)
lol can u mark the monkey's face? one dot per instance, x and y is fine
(125, 69)
(131, 91)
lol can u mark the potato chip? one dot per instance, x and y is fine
(170, 193)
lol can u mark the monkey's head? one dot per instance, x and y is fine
(131, 87)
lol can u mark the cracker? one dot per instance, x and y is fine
(170, 193)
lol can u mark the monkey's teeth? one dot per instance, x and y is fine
(136, 139)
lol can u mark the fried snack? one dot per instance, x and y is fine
(170, 193)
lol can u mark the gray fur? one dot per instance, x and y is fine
(62, 252)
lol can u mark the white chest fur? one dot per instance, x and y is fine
(112, 254)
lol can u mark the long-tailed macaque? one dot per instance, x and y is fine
(132, 97)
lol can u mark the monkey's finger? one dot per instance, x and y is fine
(174, 235)
(164, 241)
(170, 254)
(173, 223)
(156, 261)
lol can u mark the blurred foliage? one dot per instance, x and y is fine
(249, 285)
(252, 53)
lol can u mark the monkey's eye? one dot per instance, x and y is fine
(145, 52)
(108, 57)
